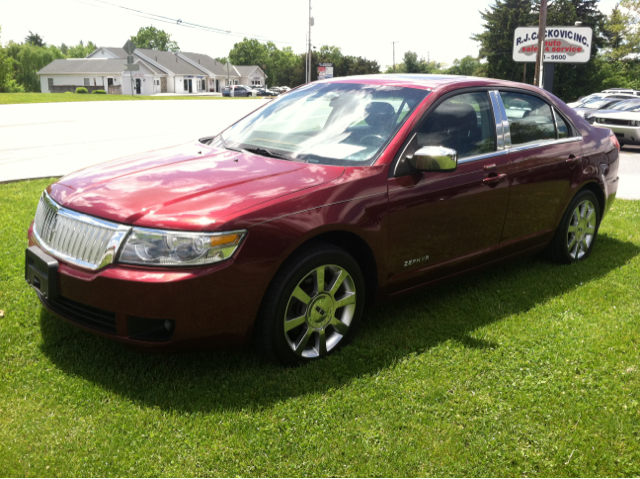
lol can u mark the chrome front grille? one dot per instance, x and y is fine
(75, 237)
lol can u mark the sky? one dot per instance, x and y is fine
(434, 29)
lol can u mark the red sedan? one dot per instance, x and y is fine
(338, 195)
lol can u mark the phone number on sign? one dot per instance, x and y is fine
(554, 57)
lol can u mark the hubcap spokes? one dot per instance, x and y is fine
(319, 311)
(582, 229)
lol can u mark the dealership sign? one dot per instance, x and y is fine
(561, 44)
(325, 70)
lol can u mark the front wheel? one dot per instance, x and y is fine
(578, 229)
(312, 307)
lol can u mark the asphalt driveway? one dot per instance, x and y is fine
(53, 139)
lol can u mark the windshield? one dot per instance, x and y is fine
(599, 104)
(589, 98)
(328, 123)
(630, 105)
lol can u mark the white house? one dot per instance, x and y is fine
(159, 72)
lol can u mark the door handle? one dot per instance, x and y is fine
(574, 160)
(491, 180)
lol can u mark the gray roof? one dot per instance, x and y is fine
(171, 62)
(246, 70)
(83, 65)
(214, 66)
(177, 65)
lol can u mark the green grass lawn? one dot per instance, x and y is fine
(529, 369)
(14, 98)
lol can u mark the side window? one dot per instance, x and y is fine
(564, 131)
(463, 123)
(530, 119)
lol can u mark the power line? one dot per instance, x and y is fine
(180, 22)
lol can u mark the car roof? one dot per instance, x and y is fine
(424, 81)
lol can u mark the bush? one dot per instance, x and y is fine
(98, 92)
(81, 89)
(70, 92)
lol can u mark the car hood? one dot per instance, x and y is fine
(190, 187)
(620, 115)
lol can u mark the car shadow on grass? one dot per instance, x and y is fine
(241, 379)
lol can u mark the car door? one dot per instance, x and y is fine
(545, 154)
(443, 222)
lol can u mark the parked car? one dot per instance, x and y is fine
(266, 92)
(624, 105)
(337, 196)
(629, 91)
(238, 90)
(601, 104)
(601, 96)
(625, 124)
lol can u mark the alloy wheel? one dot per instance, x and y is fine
(319, 311)
(582, 229)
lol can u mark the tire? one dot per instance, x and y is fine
(300, 321)
(578, 229)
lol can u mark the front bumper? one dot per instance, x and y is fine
(209, 306)
(628, 135)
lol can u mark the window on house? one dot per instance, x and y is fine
(109, 81)
(236, 82)
(50, 82)
(86, 82)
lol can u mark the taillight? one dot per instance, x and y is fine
(615, 140)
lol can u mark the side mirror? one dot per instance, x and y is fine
(434, 158)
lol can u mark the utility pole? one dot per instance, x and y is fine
(394, 56)
(542, 27)
(309, 46)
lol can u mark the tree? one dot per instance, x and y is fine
(616, 29)
(154, 39)
(81, 50)
(412, 64)
(467, 66)
(8, 82)
(633, 36)
(34, 39)
(572, 80)
(249, 52)
(28, 59)
(496, 41)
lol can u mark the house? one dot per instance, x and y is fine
(159, 72)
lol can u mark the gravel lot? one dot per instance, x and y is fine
(53, 139)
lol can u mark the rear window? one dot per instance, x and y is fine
(530, 118)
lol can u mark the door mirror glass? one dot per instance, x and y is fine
(434, 158)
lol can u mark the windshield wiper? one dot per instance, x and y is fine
(264, 152)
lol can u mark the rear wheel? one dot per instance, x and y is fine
(312, 307)
(578, 229)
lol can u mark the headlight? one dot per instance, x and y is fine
(174, 248)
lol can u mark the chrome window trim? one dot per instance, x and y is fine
(555, 122)
(505, 121)
(538, 144)
(112, 247)
(483, 156)
(497, 117)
